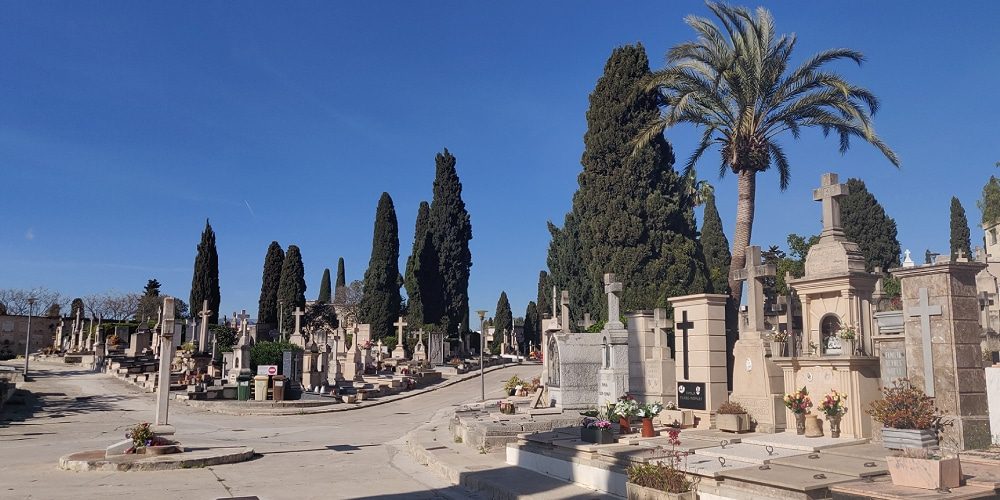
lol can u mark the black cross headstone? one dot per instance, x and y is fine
(684, 326)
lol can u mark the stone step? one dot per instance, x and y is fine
(748, 453)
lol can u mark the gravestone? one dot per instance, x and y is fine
(419, 354)
(203, 339)
(757, 382)
(700, 333)
(139, 343)
(572, 368)
(400, 351)
(614, 373)
(241, 351)
(291, 368)
(435, 346)
(297, 338)
(166, 355)
(943, 351)
(651, 366)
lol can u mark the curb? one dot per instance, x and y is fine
(225, 409)
(74, 462)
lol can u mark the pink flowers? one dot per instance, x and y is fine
(833, 404)
(798, 401)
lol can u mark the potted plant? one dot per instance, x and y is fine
(658, 480)
(908, 417)
(675, 417)
(834, 407)
(145, 441)
(625, 409)
(510, 386)
(646, 412)
(114, 340)
(732, 417)
(778, 340)
(799, 403)
(596, 430)
(921, 468)
(848, 335)
(508, 407)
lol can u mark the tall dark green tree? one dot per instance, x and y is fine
(716, 247)
(632, 211)
(380, 305)
(451, 229)
(149, 303)
(989, 204)
(324, 288)
(532, 324)
(503, 320)
(291, 287)
(423, 274)
(76, 307)
(339, 286)
(866, 223)
(267, 305)
(205, 281)
(568, 268)
(960, 235)
(544, 298)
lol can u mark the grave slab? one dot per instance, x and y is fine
(749, 453)
(785, 477)
(710, 466)
(795, 442)
(716, 435)
(548, 437)
(868, 451)
(837, 464)
(689, 445)
(577, 445)
(881, 488)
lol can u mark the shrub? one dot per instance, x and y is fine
(659, 477)
(904, 407)
(731, 408)
(269, 353)
(512, 383)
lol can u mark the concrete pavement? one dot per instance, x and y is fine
(354, 454)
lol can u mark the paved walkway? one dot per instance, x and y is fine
(356, 454)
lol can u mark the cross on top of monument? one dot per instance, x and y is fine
(829, 193)
(612, 288)
(298, 319)
(400, 325)
(753, 273)
(587, 322)
(205, 313)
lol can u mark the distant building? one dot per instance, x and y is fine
(13, 329)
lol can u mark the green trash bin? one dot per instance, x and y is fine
(243, 386)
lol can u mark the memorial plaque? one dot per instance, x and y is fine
(691, 395)
(893, 362)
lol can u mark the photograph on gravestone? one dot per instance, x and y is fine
(691, 395)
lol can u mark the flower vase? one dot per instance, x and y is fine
(624, 426)
(834, 425)
(800, 423)
(847, 347)
(647, 428)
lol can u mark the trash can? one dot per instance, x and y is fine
(243, 387)
(279, 387)
(260, 388)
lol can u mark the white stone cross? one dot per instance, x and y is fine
(587, 322)
(166, 356)
(400, 325)
(753, 273)
(613, 288)
(205, 313)
(924, 311)
(298, 319)
(829, 193)
(564, 304)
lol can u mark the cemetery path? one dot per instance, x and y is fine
(352, 454)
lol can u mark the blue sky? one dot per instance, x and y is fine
(123, 125)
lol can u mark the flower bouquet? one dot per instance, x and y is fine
(799, 403)
(834, 407)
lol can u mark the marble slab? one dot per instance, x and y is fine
(748, 453)
(783, 476)
(837, 464)
(793, 441)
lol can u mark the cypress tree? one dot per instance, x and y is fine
(633, 213)
(866, 223)
(324, 288)
(503, 320)
(423, 283)
(715, 245)
(291, 287)
(989, 204)
(205, 281)
(149, 304)
(451, 230)
(960, 235)
(338, 290)
(568, 270)
(532, 323)
(543, 302)
(380, 305)
(267, 305)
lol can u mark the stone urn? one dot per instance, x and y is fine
(813, 427)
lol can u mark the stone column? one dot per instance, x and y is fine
(943, 353)
(166, 355)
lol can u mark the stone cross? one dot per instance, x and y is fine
(203, 326)
(586, 323)
(685, 326)
(753, 273)
(400, 325)
(166, 356)
(960, 256)
(298, 319)
(613, 288)
(564, 303)
(555, 313)
(829, 193)
(924, 311)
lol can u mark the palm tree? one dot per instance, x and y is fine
(734, 82)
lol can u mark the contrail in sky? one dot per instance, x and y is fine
(250, 209)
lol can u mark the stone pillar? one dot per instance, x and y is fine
(651, 367)
(943, 353)
(614, 374)
(701, 358)
(166, 355)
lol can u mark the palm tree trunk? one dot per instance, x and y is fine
(746, 192)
